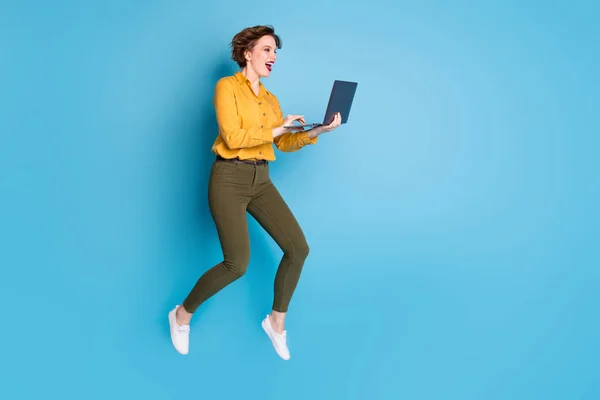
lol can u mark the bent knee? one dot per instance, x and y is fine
(303, 250)
(237, 266)
(298, 250)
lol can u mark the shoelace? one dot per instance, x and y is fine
(283, 336)
(184, 329)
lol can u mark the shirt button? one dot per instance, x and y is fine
(261, 127)
(264, 113)
(259, 103)
(260, 152)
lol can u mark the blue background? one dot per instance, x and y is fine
(453, 223)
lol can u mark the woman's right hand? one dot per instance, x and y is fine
(288, 122)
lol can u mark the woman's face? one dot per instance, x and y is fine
(262, 57)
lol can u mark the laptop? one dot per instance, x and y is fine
(340, 100)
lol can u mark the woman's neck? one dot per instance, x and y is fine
(252, 77)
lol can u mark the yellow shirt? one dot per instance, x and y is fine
(246, 122)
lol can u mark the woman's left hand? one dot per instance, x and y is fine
(336, 122)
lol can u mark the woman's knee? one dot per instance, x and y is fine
(238, 264)
(297, 250)
(303, 249)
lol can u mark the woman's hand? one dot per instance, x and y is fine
(336, 122)
(288, 122)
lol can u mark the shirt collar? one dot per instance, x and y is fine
(242, 79)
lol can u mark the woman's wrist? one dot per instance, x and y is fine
(314, 132)
(278, 131)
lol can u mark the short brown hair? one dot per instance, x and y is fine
(244, 41)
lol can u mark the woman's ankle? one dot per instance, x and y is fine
(182, 316)
(277, 320)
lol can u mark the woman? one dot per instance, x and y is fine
(250, 122)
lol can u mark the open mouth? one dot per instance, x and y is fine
(269, 65)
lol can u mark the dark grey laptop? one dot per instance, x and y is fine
(340, 100)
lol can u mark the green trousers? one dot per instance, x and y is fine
(237, 188)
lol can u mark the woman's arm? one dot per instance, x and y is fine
(290, 141)
(293, 142)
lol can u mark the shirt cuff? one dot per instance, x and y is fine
(305, 139)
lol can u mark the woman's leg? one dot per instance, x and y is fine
(273, 214)
(229, 194)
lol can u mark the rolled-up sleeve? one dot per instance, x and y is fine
(294, 141)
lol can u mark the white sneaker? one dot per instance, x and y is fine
(180, 335)
(279, 340)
